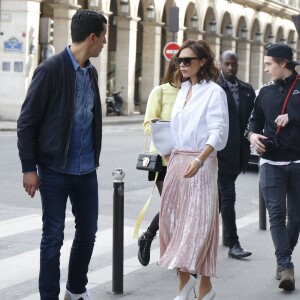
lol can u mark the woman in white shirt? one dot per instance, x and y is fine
(189, 208)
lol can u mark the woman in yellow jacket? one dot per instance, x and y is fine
(159, 106)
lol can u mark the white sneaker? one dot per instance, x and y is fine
(83, 296)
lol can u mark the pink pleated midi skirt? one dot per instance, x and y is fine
(189, 216)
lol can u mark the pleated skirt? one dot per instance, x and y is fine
(189, 216)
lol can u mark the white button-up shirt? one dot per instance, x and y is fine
(203, 120)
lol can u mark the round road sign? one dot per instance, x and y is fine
(170, 49)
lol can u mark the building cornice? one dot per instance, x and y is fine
(273, 7)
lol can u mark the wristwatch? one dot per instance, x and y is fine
(247, 134)
(199, 161)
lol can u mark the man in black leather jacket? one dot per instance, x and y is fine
(280, 161)
(233, 159)
(59, 141)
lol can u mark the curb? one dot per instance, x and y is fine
(113, 120)
(122, 122)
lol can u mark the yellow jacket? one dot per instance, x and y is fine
(159, 106)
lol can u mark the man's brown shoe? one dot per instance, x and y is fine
(287, 281)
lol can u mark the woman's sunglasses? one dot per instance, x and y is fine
(185, 60)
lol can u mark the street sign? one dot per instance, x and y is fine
(173, 19)
(13, 45)
(170, 50)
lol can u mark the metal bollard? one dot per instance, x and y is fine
(262, 210)
(118, 232)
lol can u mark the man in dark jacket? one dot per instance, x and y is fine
(59, 141)
(278, 117)
(233, 159)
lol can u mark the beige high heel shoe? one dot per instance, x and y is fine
(184, 293)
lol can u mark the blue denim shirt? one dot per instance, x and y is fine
(81, 156)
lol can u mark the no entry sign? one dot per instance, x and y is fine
(170, 49)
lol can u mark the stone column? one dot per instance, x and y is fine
(214, 41)
(180, 35)
(297, 54)
(257, 65)
(19, 53)
(194, 34)
(62, 15)
(243, 52)
(298, 59)
(100, 63)
(125, 60)
(228, 43)
(150, 60)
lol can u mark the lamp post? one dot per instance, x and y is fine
(244, 32)
(271, 38)
(292, 44)
(124, 7)
(213, 26)
(229, 28)
(151, 12)
(94, 4)
(194, 22)
(258, 36)
(282, 39)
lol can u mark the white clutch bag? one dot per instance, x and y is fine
(161, 136)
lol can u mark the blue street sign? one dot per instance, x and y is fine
(13, 45)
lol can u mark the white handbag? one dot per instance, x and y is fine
(161, 136)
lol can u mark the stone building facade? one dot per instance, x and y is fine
(138, 31)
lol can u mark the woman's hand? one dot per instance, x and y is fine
(192, 169)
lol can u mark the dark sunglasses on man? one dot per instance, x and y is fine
(185, 60)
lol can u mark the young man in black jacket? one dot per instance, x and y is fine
(59, 141)
(276, 135)
(233, 159)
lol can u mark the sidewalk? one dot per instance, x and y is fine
(251, 278)
(112, 120)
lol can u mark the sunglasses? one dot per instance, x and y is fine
(185, 60)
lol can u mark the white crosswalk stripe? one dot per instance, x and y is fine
(117, 129)
(21, 225)
(28, 262)
(104, 275)
(244, 221)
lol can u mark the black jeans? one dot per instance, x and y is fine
(55, 188)
(227, 198)
(281, 190)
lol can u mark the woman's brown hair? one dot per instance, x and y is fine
(202, 49)
(171, 70)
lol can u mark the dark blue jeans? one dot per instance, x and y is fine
(55, 188)
(227, 198)
(281, 190)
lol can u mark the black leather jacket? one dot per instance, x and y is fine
(44, 125)
(267, 108)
